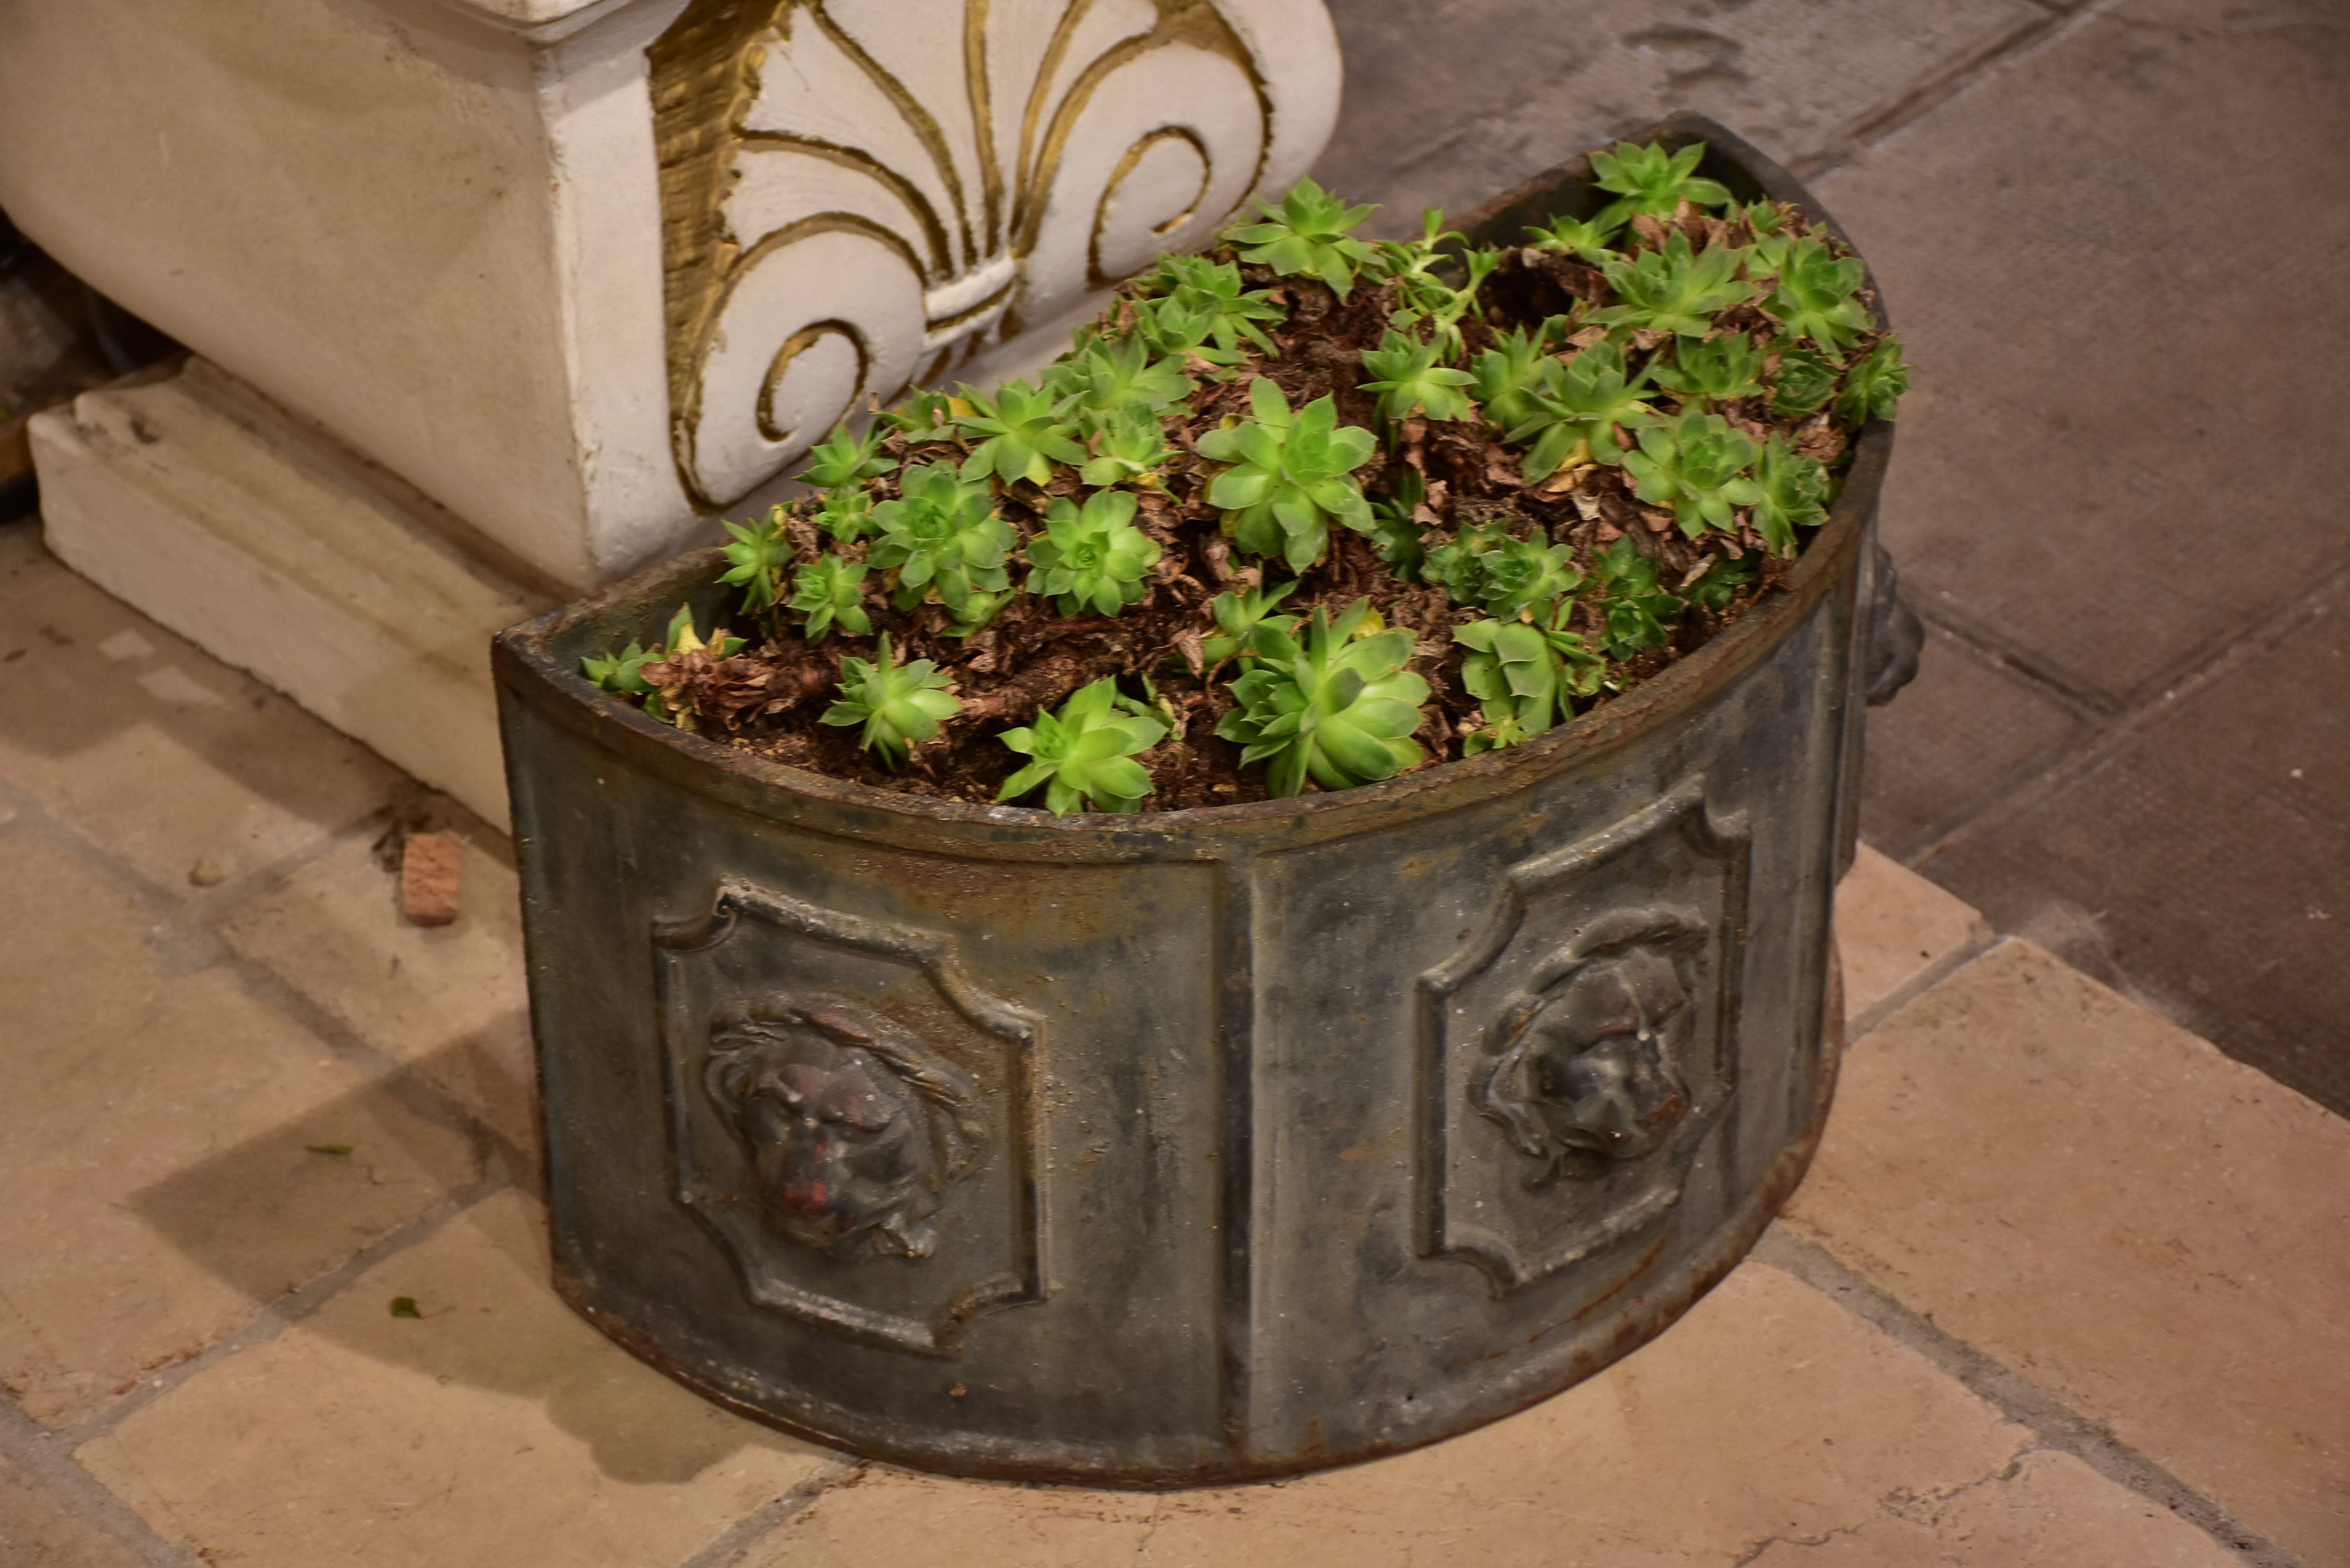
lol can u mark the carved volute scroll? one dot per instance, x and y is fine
(859, 194)
(1580, 1044)
(850, 1117)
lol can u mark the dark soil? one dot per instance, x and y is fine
(767, 698)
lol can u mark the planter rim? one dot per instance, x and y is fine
(528, 665)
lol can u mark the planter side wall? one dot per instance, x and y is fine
(1242, 1141)
(1238, 1207)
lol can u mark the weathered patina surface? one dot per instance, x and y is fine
(1200, 1144)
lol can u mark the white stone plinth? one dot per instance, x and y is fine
(589, 273)
(273, 547)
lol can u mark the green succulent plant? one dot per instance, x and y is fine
(622, 673)
(1491, 569)
(1130, 448)
(1458, 565)
(1792, 494)
(1424, 299)
(1873, 388)
(942, 537)
(977, 612)
(1409, 380)
(1307, 236)
(1110, 377)
(1238, 615)
(1220, 318)
(1694, 465)
(1330, 700)
(1579, 405)
(1522, 574)
(1022, 432)
(1712, 371)
(898, 704)
(1183, 333)
(1506, 376)
(1766, 223)
(921, 415)
(1675, 289)
(1587, 239)
(1633, 609)
(845, 459)
(1440, 307)
(1396, 260)
(1091, 557)
(756, 559)
(830, 591)
(1806, 380)
(1291, 475)
(1649, 181)
(1720, 582)
(1524, 675)
(846, 514)
(1084, 755)
(1818, 297)
(1340, 709)
(1396, 535)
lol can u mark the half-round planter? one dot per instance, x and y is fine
(1200, 1144)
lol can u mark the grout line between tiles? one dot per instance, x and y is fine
(731, 1546)
(186, 940)
(2018, 663)
(1980, 940)
(400, 1080)
(2050, 26)
(47, 1458)
(2060, 1428)
(278, 1316)
(2265, 635)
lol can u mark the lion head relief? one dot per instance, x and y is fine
(1590, 1068)
(854, 1128)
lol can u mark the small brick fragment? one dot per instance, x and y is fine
(431, 866)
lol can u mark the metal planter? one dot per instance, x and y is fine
(1204, 1145)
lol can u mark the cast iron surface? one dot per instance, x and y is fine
(1202, 1145)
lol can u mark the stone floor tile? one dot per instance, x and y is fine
(495, 1430)
(2052, 1512)
(2106, 1205)
(448, 1000)
(2069, 469)
(150, 748)
(1768, 1412)
(1953, 740)
(2239, 928)
(22, 562)
(37, 1529)
(175, 1155)
(1452, 101)
(1893, 927)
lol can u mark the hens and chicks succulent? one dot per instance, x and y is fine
(1702, 322)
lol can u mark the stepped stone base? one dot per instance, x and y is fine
(191, 497)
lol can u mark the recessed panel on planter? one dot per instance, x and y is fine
(849, 1116)
(1578, 1048)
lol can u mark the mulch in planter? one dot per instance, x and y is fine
(768, 698)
